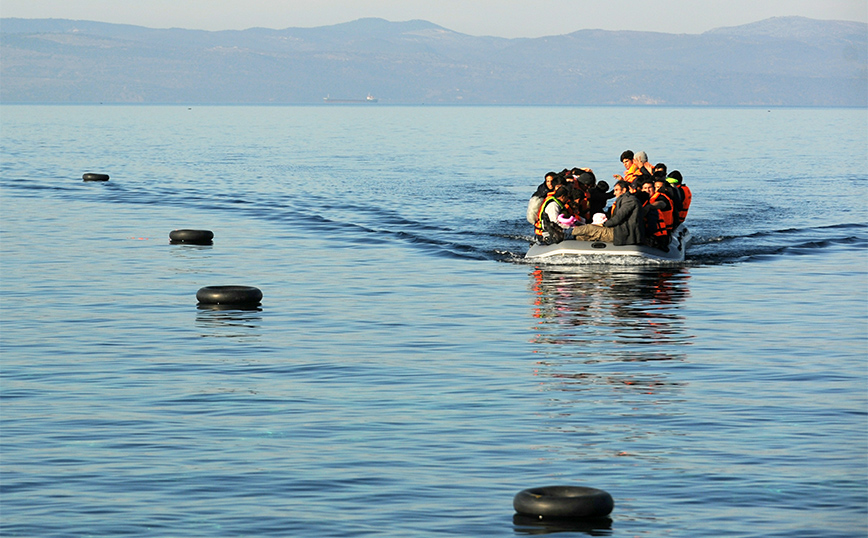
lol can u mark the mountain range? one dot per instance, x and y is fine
(782, 61)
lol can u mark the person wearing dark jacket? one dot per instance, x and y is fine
(626, 223)
(626, 219)
(548, 185)
(551, 182)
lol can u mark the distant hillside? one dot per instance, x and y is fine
(789, 61)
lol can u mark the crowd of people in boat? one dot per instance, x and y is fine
(649, 205)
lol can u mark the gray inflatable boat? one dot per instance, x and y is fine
(598, 251)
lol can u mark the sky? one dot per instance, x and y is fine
(501, 18)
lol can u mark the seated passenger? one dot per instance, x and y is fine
(662, 187)
(677, 183)
(649, 213)
(548, 185)
(659, 218)
(547, 228)
(598, 196)
(660, 173)
(625, 225)
(582, 187)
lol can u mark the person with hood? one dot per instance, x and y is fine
(598, 197)
(549, 184)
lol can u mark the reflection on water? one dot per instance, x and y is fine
(183, 250)
(600, 315)
(619, 307)
(608, 341)
(532, 526)
(229, 321)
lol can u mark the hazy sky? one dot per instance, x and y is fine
(504, 18)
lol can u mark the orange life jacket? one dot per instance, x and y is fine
(685, 202)
(665, 216)
(612, 208)
(653, 224)
(632, 173)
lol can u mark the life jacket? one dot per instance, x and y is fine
(539, 226)
(632, 173)
(666, 217)
(653, 223)
(685, 202)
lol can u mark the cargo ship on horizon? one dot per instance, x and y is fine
(369, 99)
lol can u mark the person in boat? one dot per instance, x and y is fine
(632, 171)
(662, 187)
(625, 224)
(649, 213)
(677, 181)
(598, 197)
(641, 162)
(579, 171)
(549, 228)
(549, 184)
(659, 216)
(580, 206)
(660, 172)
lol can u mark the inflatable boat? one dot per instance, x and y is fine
(598, 251)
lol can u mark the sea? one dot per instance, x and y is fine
(408, 371)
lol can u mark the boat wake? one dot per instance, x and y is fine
(717, 249)
(451, 235)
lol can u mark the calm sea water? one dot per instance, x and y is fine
(408, 373)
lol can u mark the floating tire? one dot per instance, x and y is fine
(563, 502)
(229, 295)
(95, 177)
(193, 237)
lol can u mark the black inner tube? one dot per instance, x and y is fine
(194, 237)
(240, 295)
(566, 502)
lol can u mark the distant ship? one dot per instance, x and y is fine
(369, 99)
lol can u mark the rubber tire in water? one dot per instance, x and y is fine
(563, 502)
(241, 295)
(95, 177)
(194, 237)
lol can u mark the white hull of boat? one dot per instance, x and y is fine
(564, 251)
